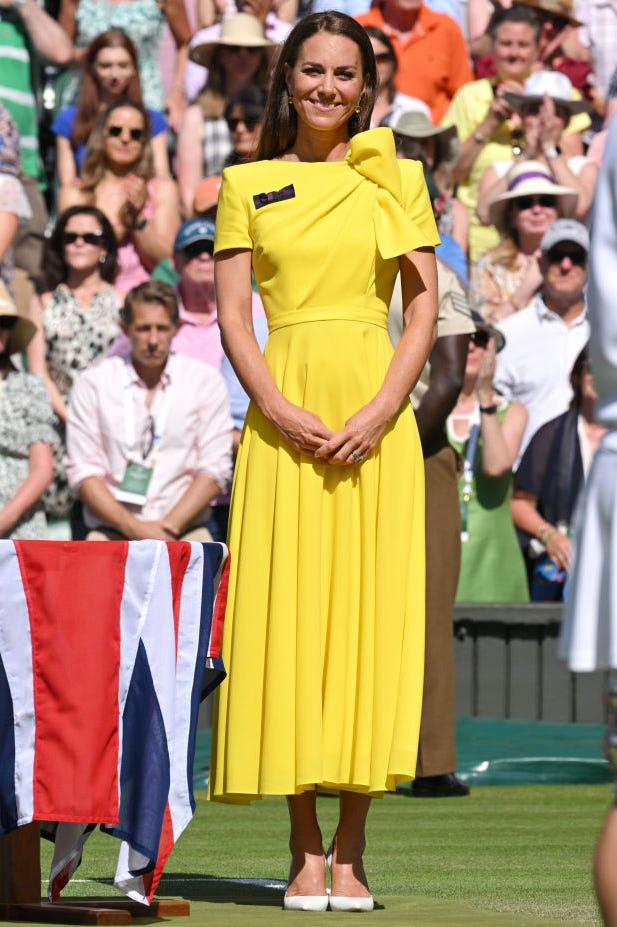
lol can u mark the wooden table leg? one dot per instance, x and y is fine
(20, 865)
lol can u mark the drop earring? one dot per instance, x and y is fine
(102, 258)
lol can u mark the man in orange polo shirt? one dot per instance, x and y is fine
(433, 61)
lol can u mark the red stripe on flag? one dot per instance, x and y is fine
(74, 594)
(218, 615)
(166, 845)
(179, 553)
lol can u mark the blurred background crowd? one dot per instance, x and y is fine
(117, 118)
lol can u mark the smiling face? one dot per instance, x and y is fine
(113, 68)
(83, 244)
(514, 51)
(326, 82)
(532, 215)
(124, 132)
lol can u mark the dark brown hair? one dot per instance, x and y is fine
(89, 103)
(151, 291)
(55, 268)
(280, 119)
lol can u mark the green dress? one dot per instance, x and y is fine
(492, 566)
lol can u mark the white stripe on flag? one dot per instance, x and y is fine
(188, 641)
(16, 650)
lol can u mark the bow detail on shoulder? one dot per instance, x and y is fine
(373, 155)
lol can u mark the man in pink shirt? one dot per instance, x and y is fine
(149, 433)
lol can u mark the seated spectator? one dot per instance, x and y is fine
(487, 128)
(505, 278)
(110, 73)
(244, 116)
(238, 58)
(389, 102)
(420, 35)
(26, 432)
(144, 22)
(486, 431)
(13, 201)
(548, 481)
(436, 147)
(545, 108)
(149, 434)
(77, 317)
(544, 338)
(118, 178)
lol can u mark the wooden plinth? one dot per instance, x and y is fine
(20, 891)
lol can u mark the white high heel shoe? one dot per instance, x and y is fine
(347, 902)
(305, 903)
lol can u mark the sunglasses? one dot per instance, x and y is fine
(116, 132)
(249, 121)
(7, 322)
(88, 238)
(196, 248)
(544, 199)
(557, 255)
(246, 48)
(382, 57)
(480, 339)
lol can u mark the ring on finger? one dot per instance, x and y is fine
(358, 458)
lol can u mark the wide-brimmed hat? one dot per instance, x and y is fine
(483, 326)
(551, 84)
(561, 8)
(243, 29)
(23, 330)
(530, 178)
(415, 124)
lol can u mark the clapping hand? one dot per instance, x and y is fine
(136, 192)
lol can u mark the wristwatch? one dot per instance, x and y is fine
(140, 224)
(479, 138)
(488, 410)
(551, 153)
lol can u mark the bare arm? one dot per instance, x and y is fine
(40, 472)
(65, 162)
(155, 240)
(500, 441)
(364, 429)
(48, 37)
(191, 503)
(35, 355)
(525, 515)
(160, 155)
(447, 359)
(190, 156)
(302, 429)
(8, 229)
(497, 113)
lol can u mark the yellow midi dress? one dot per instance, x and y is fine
(324, 628)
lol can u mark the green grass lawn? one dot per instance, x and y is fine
(504, 857)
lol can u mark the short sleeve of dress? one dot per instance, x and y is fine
(31, 415)
(416, 201)
(64, 122)
(232, 217)
(157, 121)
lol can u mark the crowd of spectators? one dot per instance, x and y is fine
(116, 121)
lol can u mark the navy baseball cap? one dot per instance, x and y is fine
(194, 230)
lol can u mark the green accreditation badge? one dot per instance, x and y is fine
(134, 485)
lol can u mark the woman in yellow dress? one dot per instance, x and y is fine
(324, 629)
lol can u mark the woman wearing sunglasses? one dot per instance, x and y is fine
(487, 432)
(239, 57)
(118, 178)
(76, 320)
(506, 277)
(244, 117)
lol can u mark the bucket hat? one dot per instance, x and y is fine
(415, 124)
(552, 84)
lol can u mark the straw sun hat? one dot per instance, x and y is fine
(23, 330)
(552, 84)
(530, 178)
(561, 8)
(243, 29)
